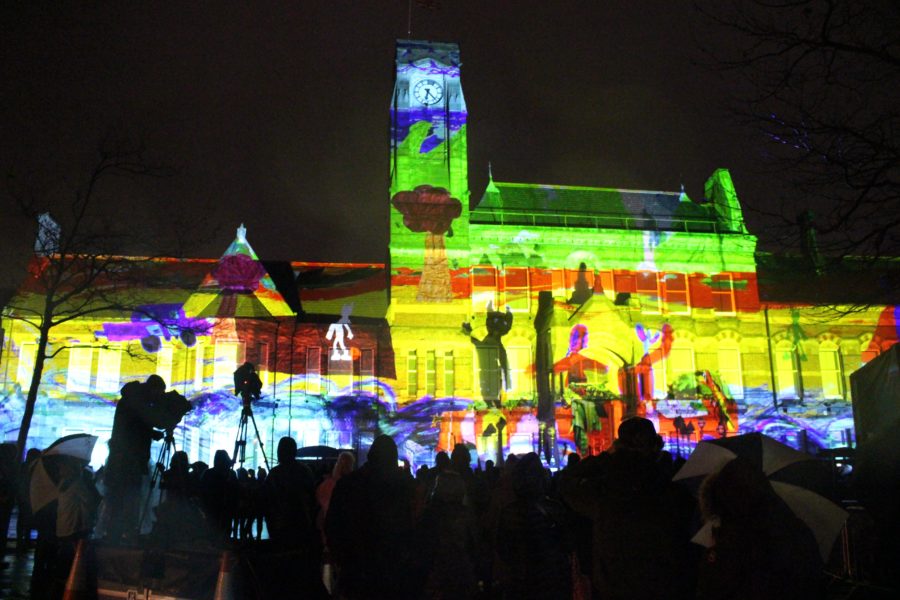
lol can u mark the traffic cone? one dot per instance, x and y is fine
(76, 584)
(225, 581)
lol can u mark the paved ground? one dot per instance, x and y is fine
(15, 579)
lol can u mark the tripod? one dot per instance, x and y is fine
(162, 461)
(240, 441)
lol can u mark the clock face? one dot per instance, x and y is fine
(428, 92)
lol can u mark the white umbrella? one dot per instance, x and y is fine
(824, 518)
(44, 487)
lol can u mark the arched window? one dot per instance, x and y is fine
(786, 375)
(520, 363)
(729, 355)
(680, 364)
(831, 367)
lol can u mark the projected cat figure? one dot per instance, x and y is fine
(337, 330)
(493, 364)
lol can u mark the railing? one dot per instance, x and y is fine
(552, 219)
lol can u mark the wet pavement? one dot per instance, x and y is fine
(15, 578)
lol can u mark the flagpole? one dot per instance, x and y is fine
(408, 19)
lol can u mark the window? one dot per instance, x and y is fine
(412, 373)
(723, 293)
(489, 373)
(541, 280)
(313, 370)
(26, 364)
(558, 282)
(339, 376)
(228, 355)
(607, 283)
(676, 291)
(449, 373)
(869, 348)
(786, 374)
(680, 363)
(515, 289)
(262, 356)
(78, 378)
(430, 373)
(730, 369)
(831, 368)
(520, 360)
(164, 361)
(109, 364)
(484, 287)
(200, 366)
(647, 285)
(366, 370)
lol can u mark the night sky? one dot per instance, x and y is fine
(276, 114)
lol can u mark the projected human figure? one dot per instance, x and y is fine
(492, 361)
(337, 330)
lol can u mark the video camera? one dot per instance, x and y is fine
(175, 405)
(247, 383)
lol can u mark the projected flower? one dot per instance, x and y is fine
(238, 273)
(430, 210)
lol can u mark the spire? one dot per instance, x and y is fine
(242, 234)
(683, 197)
(490, 186)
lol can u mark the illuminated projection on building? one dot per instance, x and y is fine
(534, 320)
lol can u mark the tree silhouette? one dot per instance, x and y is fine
(818, 82)
(78, 270)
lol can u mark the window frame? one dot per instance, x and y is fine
(682, 308)
(837, 373)
(521, 292)
(649, 305)
(483, 294)
(78, 380)
(313, 370)
(718, 293)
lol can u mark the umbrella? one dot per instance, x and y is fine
(780, 463)
(45, 471)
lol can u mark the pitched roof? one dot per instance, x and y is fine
(238, 286)
(572, 206)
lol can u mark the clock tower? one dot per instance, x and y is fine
(428, 156)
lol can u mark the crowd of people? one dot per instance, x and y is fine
(609, 526)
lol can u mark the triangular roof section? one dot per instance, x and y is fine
(238, 287)
(589, 206)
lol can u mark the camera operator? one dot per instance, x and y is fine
(143, 409)
(247, 384)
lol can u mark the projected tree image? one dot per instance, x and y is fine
(430, 210)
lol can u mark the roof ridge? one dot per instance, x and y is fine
(582, 188)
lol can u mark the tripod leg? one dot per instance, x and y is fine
(162, 459)
(259, 441)
(240, 441)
